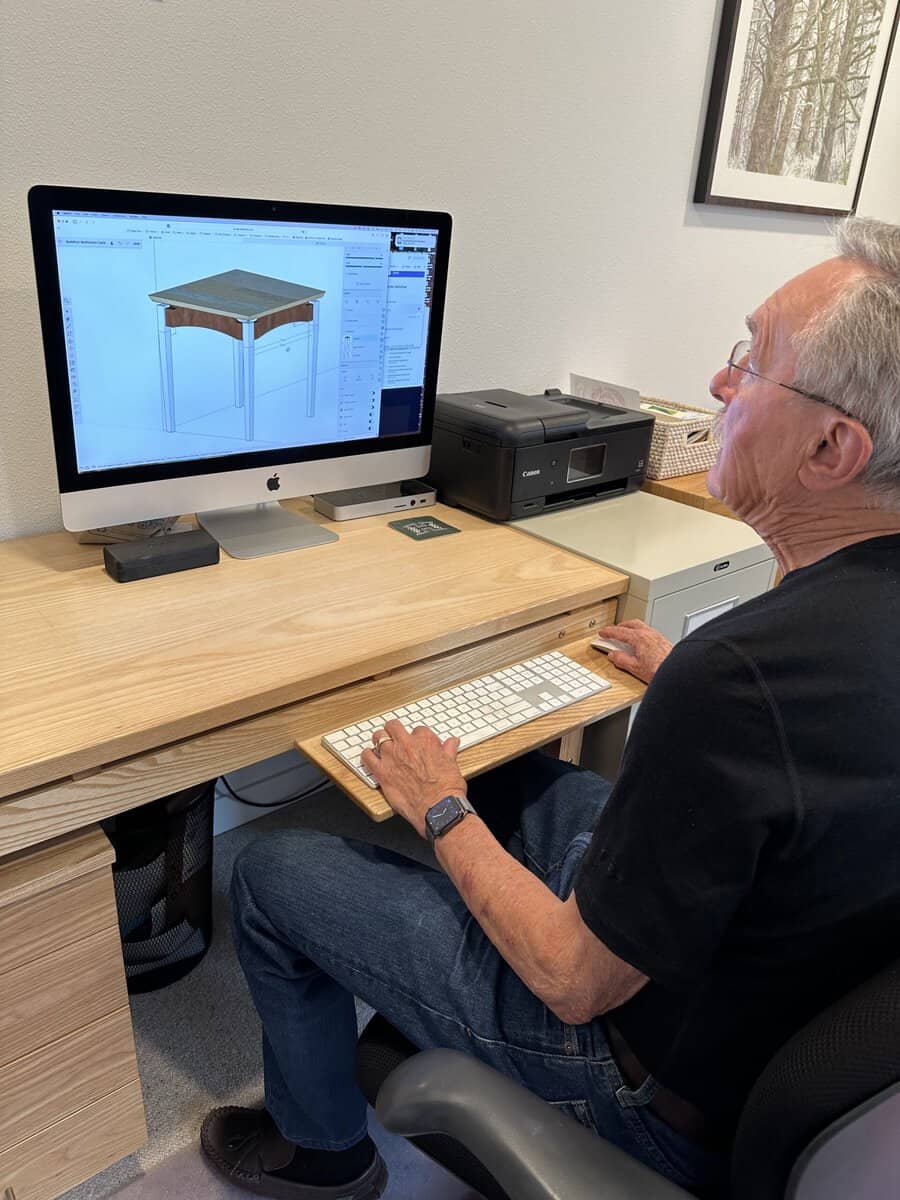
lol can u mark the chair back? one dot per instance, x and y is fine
(831, 1090)
(858, 1156)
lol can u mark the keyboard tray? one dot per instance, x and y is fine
(392, 692)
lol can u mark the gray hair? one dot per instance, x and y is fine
(850, 351)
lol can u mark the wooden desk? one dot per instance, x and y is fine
(115, 694)
(688, 489)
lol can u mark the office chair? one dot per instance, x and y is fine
(821, 1123)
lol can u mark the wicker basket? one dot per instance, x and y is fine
(679, 446)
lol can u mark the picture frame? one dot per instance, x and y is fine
(793, 101)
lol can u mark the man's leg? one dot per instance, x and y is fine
(319, 920)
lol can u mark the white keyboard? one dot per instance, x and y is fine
(479, 709)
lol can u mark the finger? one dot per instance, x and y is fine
(396, 729)
(625, 662)
(450, 746)
(634, 623)
(631, 665)
(379, 735)
(425, 731)
(620, 633)
(372, 762)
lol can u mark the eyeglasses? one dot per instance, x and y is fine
(739, 360)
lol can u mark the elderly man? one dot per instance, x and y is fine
(636, 955)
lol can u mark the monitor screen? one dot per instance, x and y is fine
(196, 336)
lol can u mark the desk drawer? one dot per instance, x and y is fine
(34, 928)
(51, 1083)
(47, 999)
(74, 1149)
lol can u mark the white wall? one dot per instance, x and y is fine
(563, 138)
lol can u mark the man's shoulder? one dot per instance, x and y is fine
(814, 611)
(738, 637)
(736, 664)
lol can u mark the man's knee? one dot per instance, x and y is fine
(296, 875)
(277, 868)
(248, 870)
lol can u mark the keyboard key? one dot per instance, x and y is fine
(476, 736)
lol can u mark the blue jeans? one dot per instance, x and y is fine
(321, 919)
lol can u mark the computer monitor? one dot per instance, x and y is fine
(218, 354)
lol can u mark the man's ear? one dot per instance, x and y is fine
(840, 455)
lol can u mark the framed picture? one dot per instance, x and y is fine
(793, 101)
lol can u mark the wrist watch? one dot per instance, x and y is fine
(448, 811)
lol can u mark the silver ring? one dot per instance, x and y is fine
(377, 747)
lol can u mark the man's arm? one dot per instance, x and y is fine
(543, 938)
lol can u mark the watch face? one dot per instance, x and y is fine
(443, 810)
(443, 815)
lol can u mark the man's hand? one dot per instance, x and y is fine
(414, 770)
(649, 648)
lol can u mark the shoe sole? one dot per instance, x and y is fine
(368, 1186)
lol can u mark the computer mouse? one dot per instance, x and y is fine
(607, 644)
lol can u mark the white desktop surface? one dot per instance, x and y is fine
(650, 539)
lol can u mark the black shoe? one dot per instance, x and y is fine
(244, 1146)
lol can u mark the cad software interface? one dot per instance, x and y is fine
(194, 337)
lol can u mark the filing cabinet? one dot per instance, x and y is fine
(685, 566)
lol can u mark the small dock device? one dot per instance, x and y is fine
(371, 501)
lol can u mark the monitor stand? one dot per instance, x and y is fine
(255, 530)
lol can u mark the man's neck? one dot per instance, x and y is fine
(800, 538)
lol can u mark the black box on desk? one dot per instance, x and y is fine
(162, 555)
(505, 455)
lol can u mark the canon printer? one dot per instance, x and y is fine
(505, 455)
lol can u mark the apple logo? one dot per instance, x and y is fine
(273, 484)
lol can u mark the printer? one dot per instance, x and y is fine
(504, 455)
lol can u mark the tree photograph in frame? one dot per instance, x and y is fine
(793, 102)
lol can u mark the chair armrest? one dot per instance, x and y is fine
(532, 1150)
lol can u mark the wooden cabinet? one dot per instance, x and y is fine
(70, 1096)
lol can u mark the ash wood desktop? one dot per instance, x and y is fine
(115, 694)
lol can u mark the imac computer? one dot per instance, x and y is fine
(213, 355)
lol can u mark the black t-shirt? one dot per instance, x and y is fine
(748, 858)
